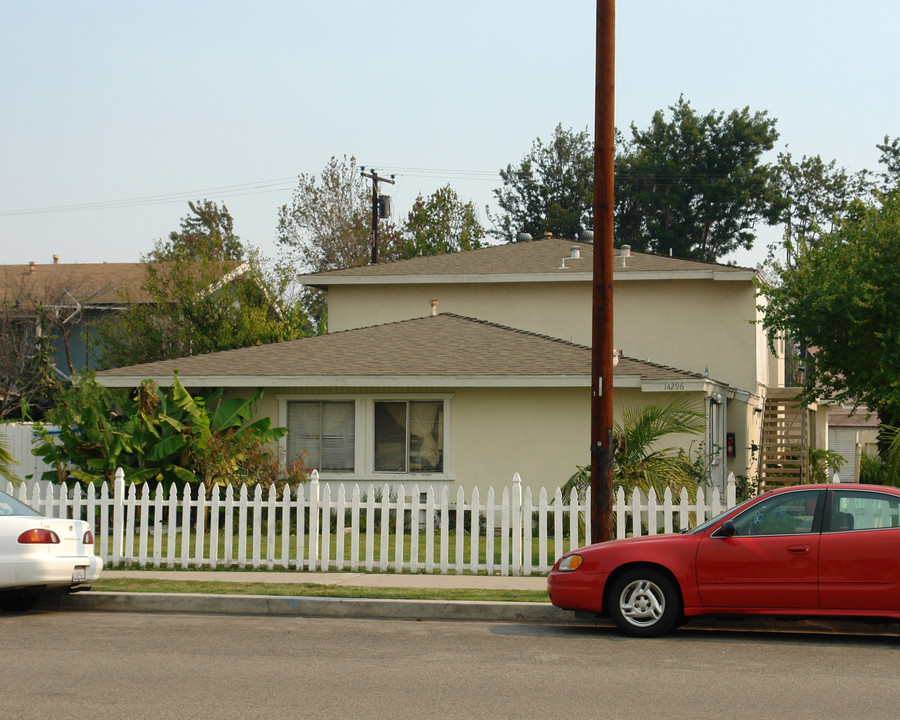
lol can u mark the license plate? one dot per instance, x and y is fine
(78, 574)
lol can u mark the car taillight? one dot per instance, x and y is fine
(39, 536)
(88, 538)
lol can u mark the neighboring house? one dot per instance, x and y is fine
(73, 297)
(431, 400)
(851, 434)
(699, 317)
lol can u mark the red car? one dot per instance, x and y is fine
(826, 550)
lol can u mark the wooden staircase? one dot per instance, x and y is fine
(785, 438)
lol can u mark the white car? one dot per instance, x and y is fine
(39, 553)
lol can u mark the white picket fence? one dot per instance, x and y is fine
(377, 529)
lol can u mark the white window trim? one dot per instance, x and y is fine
(364, 431)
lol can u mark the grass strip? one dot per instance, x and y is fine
(217, 587)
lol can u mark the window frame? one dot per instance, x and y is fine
(364, 429)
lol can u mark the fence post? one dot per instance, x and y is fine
(118, 516)
(517, 525)
(731, 491)
(313, 520)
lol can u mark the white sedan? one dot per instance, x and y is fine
(39, 553)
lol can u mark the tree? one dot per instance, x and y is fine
(6, 463)
(890, 158)
(170, 437)
(27, 378)
(639, 462)
(328, 225)
(207, 293)
(841, 300)
(208, 232)
(551, 191)
(695, 184)
(816, 196)
(442, 223)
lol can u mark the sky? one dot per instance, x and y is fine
(114, 115)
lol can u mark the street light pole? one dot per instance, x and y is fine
(602, 308)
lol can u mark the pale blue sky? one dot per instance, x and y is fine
(153, 104)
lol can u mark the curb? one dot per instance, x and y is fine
(434, 610)
(284, 606)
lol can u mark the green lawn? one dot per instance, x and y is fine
(313, 590)
(377, 550)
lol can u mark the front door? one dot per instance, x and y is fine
(770, 562)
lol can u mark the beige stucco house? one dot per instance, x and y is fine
(437, 400)
(464, 369)
(698, 317)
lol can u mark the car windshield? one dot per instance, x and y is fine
(713, 521)
(10, 506)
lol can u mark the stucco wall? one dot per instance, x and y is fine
(687, 324)
(492, 433)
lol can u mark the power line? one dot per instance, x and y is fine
(238, 190)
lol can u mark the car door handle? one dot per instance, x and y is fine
(799, 549)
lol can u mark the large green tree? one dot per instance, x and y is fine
(205, 292)
(695, 185)
(816, 196)
(441, 223)
(550, 191)
(691, 184)
(841, 299)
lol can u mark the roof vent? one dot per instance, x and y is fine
(626, 253)
(55, 259)
(575, 252)
(548, 235)
(434, 304)
(31, 266)
(523, 237)
(586, 236)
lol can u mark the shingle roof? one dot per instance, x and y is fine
(445, 346)
(88, 283)
(550, 256)
(100, 283)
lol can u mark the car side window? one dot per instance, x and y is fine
(784, 514)
(862, 510)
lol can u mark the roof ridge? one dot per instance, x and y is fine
(661, 366)
(509, 328)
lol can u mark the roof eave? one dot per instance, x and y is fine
(560, 276)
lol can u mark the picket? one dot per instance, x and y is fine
(306, 527)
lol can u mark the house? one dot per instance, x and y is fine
(701, 318)
(852, 433)
(72, 298)
(67, 300)
(440, 399)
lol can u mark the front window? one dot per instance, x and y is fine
(409, 436)
(326, 431)
(783, 514)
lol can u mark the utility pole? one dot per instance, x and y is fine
(602, 310)
(375, 178)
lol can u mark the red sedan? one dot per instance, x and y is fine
(826, 550)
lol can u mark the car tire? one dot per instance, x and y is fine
(644, 602)
(19, 601)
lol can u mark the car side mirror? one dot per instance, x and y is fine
(727, 529)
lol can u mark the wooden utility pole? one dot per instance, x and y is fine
(602, 312)
(375, 178)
